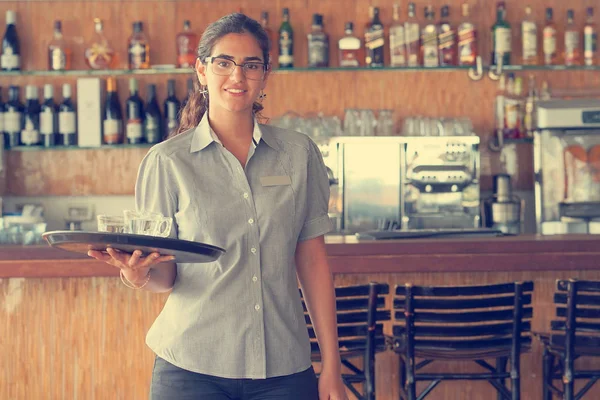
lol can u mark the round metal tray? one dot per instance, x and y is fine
(183, 250)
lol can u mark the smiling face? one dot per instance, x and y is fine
(233, 93)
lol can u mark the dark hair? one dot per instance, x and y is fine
(197, 102)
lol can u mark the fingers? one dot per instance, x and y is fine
(129, 261)
(99, 255)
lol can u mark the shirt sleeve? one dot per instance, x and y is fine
(317, 221)
(153, 190)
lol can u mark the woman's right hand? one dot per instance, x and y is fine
(135, 267)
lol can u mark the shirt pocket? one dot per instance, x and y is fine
(276, 211)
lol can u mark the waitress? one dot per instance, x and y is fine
(234, 328)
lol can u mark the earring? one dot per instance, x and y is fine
(204, 92)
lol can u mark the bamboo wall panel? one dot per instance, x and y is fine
(432, 93)
(70, 338)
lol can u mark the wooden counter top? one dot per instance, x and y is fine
(348, 255)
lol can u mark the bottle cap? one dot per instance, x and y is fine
(57, 26)
(349, 26)
(66, 91)
(48, 91)
(133, 85)
(11, 17)
(31, 92)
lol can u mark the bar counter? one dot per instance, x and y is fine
(81, 334)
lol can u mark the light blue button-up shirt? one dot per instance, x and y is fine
(240, 316)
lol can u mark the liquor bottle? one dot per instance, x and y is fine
(13, 117)
(512, 109)
(264, 21)
(286, 42)
(572, 51)
(550, 52)
(397, 40)
(529, 39)
(10, 59)
(429, 40)
(3, 137)
(590, 39)
(134, 127)
(152, 118)
(501, 37)
(48, 118)
(318, 44)
(59, 53)
(499, 105)
(100, 54)
(190, 90)
(349, 47)
(30, 134)
(467, 39)
(138, 48)
(186, 41)
(67, 118)
(530, 109)
(446, 39)
(374, 40)
(171, 109)
(413, 37)
(112, 120)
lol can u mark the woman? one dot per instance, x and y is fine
(234, 328)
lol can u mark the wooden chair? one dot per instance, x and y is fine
(360, 312)
(462, 323)
(576, 334)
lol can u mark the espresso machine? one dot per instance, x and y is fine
(404, 183)
(567, 166)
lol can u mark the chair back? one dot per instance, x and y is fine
(462, 319)
(361, 311)
(578, 309)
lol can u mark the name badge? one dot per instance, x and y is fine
(275, 180)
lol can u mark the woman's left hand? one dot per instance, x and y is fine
(331, 386)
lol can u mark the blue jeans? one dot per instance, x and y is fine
(173, 383)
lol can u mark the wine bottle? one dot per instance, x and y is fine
(30, 135)
(152, 120)
(112, 121)
(171, 109)
(286, 42)
(67, 118)
(48, 118)
(190, 90)
(10, 59)
(13, 117)
(3, 137)
(135, 114)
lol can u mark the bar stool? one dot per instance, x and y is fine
(475, 323)
(575, 335)
(360, 313)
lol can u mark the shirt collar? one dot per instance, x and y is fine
(204, 135)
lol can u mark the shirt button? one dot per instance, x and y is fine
(254, 279)
(250, 221)
(257, 307)
(246, 195)
(253, 250)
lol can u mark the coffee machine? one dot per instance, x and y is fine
(408, 183)
(567, 166)
(504, 210)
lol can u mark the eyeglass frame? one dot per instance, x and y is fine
(211, 60)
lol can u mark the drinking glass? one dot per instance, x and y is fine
(147, 223)
(111, 224)
(385, 123)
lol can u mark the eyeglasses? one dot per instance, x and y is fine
(252, 70)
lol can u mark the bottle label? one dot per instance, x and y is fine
(467, 49)
(9, 61)
(529, 40)
(112, 131)
(430, 47)
(171, 125)
(318, 52)
(397, 46)
(590, 38)
(1, 123)
(571, 46)
(412, 44)
(30, 135)
(137, 55)
(12, 121)
(286, 56)
(549, 41)
(503, 41)
(446, 40)
(374, 44)
(134, 129)
(47, 122)
(152, 128)
(349, 58)
(66, 122)
(59, 60)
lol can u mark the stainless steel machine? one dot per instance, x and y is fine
(404, 182)
(567, 166)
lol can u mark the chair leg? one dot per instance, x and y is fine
(568, 383)
(501, 367)
(411, 385)
(402, 378)
(548, 364)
